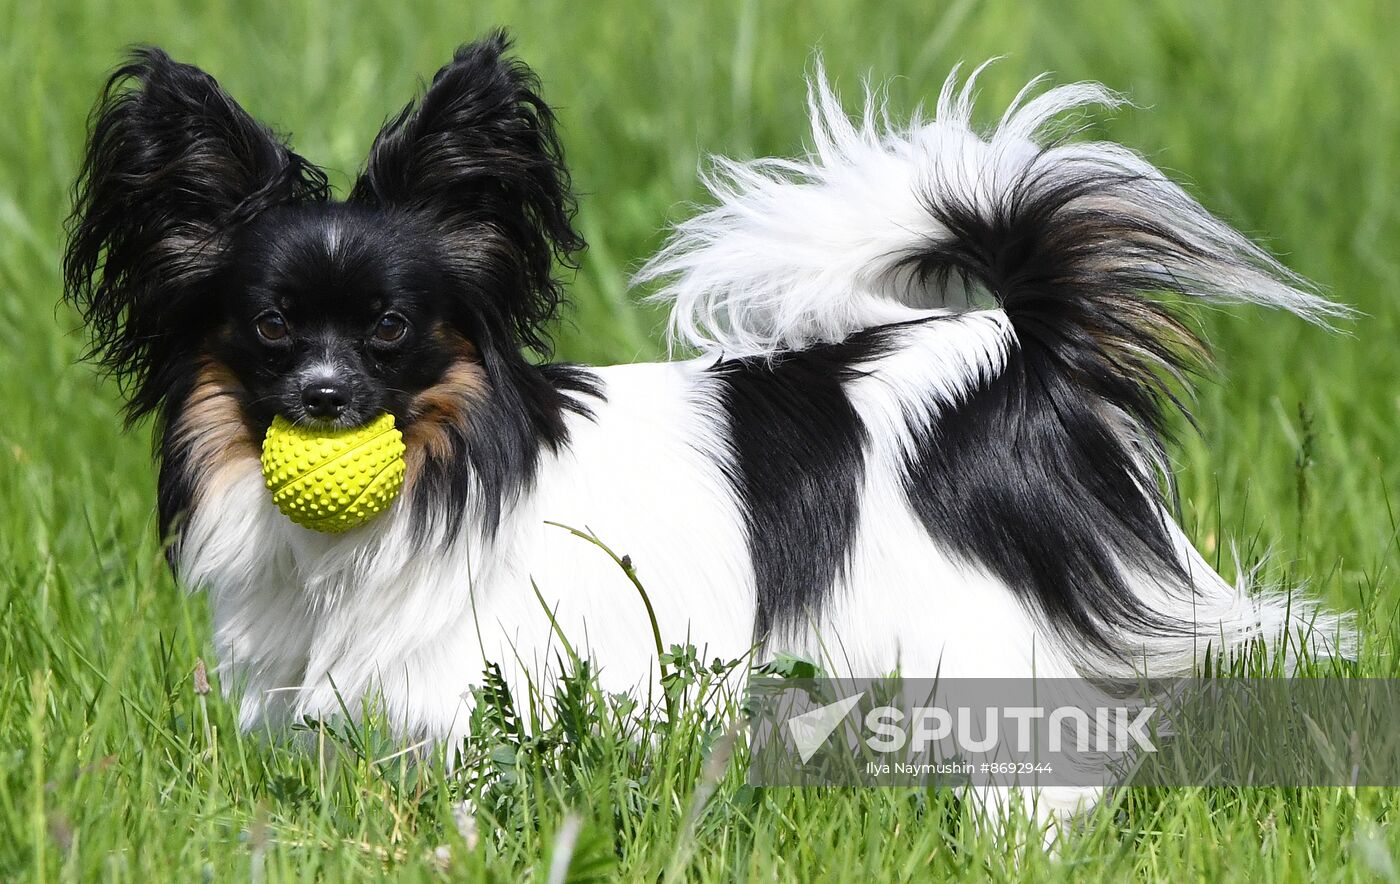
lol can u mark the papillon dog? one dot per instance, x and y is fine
(923, 431)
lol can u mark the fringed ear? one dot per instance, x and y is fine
(173, 167)
(478, 159)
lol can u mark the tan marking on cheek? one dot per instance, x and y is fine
(439, 409)
(212, 431)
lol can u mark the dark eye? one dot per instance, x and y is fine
(272, 327)
(390, 328)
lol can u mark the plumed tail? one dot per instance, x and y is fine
(877, 223)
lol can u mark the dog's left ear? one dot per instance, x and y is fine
(478, 159)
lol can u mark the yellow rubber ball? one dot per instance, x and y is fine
(333, 480)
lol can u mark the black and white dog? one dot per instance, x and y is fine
(924, 433)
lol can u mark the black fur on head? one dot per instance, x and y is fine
(181, 189)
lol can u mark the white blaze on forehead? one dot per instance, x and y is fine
(332, 230)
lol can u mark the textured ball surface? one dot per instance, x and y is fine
(333, 480)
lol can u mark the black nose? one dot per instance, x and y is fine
(325, 399)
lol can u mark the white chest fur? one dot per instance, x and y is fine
(384, 612)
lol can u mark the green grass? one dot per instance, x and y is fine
(1284, 117)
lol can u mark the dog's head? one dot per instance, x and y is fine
(201, 246)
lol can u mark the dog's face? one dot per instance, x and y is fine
(332, 316)
(199, 240)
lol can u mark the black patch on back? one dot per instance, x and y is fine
(1026, 478)
(799, 464)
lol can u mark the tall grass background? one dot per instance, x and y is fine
(1282, 117)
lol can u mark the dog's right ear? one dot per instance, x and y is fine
(173, 166)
